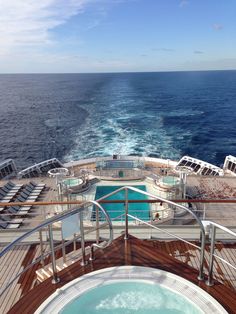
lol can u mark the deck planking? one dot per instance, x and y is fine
(171, 256)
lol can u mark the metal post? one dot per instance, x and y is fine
(126, 214)
(67, 197)
(184, 183)
(63, 248)
(41, 246)
(204, 211)
(74, 242)
(202, 255)
(83, 262)
(63, 251)
(55, 279)
(210, 281)
(97, 225)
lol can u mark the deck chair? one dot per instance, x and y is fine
(20, 210)
(5, 225)
(13, 185)
(8, 219)
(37, 184)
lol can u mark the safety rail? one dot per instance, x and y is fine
(165, 231)
(48, 224)
(97, 204)
(126, 202)
(127, 188)
(212, 228)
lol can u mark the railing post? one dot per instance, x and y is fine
(202, 255)
(204, 211)
(83, 262)
(41, 246)
(126, 214)
(74, 242)
(55, 279)
(97, 225)
(209, 281)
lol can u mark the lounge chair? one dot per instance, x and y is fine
(6, 199)
(24, 199)
(32, 183)
(32, 190)
(19, 210)
(6, 190)
(8, 219)
(13, 185)
(30, 193)
(7, 193)
(5, 225)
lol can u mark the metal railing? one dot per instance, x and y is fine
(48, 224)
(212, 229)
(130, 188)
(165, 231)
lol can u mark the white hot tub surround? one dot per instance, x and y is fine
(202, 300)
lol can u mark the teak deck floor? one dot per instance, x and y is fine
(156, 254)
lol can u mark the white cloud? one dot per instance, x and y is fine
(217, 27)
(28, 22)
(183, 3)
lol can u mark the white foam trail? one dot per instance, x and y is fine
(112, 128)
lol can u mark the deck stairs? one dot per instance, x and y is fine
(61, 263)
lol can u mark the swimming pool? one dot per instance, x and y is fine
(130, 289)
(140, 210)
(72, 182)
(169, 180)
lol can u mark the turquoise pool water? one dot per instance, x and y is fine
(73, 182)
(170, 180)
(140, 210)
(130, 298)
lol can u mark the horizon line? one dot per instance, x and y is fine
(116, 72)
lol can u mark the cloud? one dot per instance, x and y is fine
(163, 49)
(29, 22)
(183, 3)
(198, 52)
(217, 27)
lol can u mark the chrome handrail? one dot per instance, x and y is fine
(213, 227)
(52, 220)
(165, 231)
(48, 223)
(202, 238)
(82, 206)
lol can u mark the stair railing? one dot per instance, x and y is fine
(48, 224)
(213, 228)
(126, 200)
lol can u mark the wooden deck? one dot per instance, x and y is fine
(173, 256)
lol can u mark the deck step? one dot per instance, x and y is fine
(72, 257)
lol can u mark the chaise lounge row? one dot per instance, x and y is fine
(17, 193)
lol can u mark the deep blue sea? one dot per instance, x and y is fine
(72, 116)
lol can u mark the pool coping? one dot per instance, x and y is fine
(194, 294)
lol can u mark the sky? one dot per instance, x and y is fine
(77, 36)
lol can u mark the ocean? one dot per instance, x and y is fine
(73, 116)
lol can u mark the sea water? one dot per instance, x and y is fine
(73, 116)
